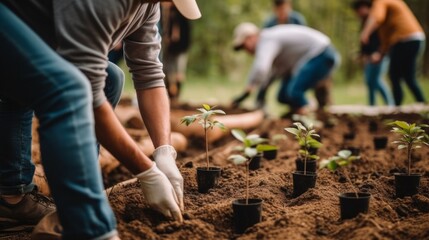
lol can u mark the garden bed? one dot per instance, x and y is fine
(313, 215)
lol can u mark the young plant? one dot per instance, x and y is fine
(249, 141)
(306, 141)
(412, 136)
(249, 154)
(204, 119)
(343, 158)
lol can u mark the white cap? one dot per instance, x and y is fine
(241, 32)
(188, 8)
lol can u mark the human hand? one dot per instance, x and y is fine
(165, 159)
(376, 57)
(159, 193)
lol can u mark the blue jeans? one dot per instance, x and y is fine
(36, 79)
(374, 80)
(292, 90)
(403, 64)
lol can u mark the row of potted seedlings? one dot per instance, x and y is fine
(247, 211)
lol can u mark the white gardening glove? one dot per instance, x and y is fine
(159, 193)
(165, 158)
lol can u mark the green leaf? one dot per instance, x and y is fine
(218, 111)
(207, 107)
(239, 134)
(265, 147)
(219, 125)
(187, 120)
(294, 131)
(402, 147)
(237, 159)
(250, 152)
(402, 124)
(345, 154)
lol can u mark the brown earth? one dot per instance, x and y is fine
(313, 215)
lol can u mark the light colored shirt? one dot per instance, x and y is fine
(83, 32)
(283, 49)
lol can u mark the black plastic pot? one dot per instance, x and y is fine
(301, 182)
(311, 165)
(349, 136)
(350, 206)
(372, 126)
(255, 164)
(407, 185)
(246, 215)
(207, 178)
(380, 142)
(355, 151)
(270, 154)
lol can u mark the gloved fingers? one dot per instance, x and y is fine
(178, 189)
(175, 212)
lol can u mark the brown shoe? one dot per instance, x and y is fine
(24, 215)
(49, 228)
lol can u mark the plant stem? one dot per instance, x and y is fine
(346, 174)
(207, 143)
(305, 156)
(247, 181)
(410, 145)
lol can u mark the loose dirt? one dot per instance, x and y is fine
(313, 215)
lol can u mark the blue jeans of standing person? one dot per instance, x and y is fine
(292, 90)
(33, 78)
(374, 80)
(403, 64)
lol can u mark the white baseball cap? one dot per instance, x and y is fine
(188, 8)
(241, 32)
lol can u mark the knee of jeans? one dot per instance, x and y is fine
(74, 87)
(296, 97)
(115, 77)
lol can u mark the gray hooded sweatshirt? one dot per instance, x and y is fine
(84, 31)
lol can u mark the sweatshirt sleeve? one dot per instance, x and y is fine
(142, 49)
(83, 32)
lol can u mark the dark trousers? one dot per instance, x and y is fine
(403, 63)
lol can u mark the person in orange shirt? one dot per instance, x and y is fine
(402, 37)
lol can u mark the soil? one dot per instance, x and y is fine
(313, 215)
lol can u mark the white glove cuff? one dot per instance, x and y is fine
(148, 173)
(164, 150)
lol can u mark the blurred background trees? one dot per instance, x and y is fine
(212, 53)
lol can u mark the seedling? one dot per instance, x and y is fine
(204, 119)
(343, 158)
(412, 136)
(249, 154)
(249, 141)
(306, 141)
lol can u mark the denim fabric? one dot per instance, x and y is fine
(403, 63)
(292, 90)
(374, 80)
(35, 78)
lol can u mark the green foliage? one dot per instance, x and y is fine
(342, 159)
(305, 137)
(412, 136)
(204, 117)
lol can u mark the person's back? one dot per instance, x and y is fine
(396, 20)
(286, 47)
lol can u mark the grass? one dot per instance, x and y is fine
(220, 90)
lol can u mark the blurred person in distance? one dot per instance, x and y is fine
(301, 56)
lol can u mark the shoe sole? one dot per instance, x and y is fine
(9, 226)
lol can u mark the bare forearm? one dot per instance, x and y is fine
(111, 134)
(155, 110)
(370, 26)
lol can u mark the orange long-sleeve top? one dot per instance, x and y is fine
(396, 22)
